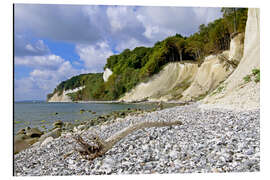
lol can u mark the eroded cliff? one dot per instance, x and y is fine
(236, 92)
(187, 81)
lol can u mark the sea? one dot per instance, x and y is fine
(42, 114)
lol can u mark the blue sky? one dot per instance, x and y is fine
(56, 42)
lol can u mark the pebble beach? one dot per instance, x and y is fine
(209, 140)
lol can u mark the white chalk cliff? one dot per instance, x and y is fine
(64, 96)
(172, 77)
(236, 93)
(107, 73)
(187, 81)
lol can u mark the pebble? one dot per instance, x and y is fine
(210, 140)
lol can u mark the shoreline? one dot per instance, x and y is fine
(216, 125)
(180, 103)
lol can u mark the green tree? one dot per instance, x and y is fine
(231, 12)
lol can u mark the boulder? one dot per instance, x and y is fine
(21, 131)
(54, 134)
(46, 141)
(33, 132)
(27, 128)
(22, 142)
(58, 124)
(81, 127)
(82, 111)
(20, 137)
(68, 126)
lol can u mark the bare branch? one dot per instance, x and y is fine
(99, 147)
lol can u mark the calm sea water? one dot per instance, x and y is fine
(42, 114)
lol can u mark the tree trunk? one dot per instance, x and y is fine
(234, 20)
(180, 55)
(99, 147)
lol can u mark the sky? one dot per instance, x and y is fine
(55, 42)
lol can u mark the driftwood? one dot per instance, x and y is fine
(98, 147)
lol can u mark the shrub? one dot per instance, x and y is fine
(255, 71)
(257, 78)
(247, 78)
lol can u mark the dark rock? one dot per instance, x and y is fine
(34, 132)
(21, 131)
(58, 124)
(68, 126)
(82, 111)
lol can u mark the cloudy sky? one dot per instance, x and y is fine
(56, 42)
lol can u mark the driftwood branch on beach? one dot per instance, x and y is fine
(99, 147)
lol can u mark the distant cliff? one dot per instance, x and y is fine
(64, 96)
(76, 88)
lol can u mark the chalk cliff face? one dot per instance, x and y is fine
(236, 93)
(64, 97)
(187, 81)
(237, 47)
(208, 76)
(174, 77)
(107, 73)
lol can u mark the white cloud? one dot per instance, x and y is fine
(57, 22)
(206, 15)
(25, 90)
(24, 47)
(161, 22)
(48, 61)
(130, 44)
(117, 24)
(48, 79)
(120, 17)
(43, 79)
(94, 57)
